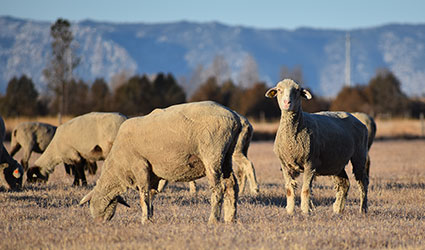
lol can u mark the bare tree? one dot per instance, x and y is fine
(295, 74)
(62, 62)
(219, 69)
(248, 76)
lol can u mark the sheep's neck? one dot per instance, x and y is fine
(291, 121)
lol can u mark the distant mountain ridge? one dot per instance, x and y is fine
(178, 48)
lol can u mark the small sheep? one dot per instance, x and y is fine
(11, 172)
(181, 143)
(86, 138)
(318, 144)
(242, 166)
(371, 129)
(31, 136)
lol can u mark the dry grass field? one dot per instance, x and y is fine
(49, 217)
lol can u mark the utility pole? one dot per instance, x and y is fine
(347, 59)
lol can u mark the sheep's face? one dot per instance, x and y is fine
(102, 209)
(34, 175)
(13, 173)
(288, 95)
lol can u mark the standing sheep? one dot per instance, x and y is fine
(318, 144)
(242, 166)
(370, 124)
(182, 143)
(86, 138)
(11, 173)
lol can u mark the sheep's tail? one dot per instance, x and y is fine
(14, 144)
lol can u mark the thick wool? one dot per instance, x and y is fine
(86, 138)
(318, 144)
(242, 166)
(11, 172)
(180, 143)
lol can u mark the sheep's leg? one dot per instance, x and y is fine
(230, 198)
(246, 172)
(26, 156)
(290, 185)
(192, 187)
(341, 185)
(214, 176)
(143, 180)
(368, 164)
(15, 149)
(161, 185)
(362, 180)
(230, 190)
(306, 204)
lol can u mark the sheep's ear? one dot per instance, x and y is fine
(271, 93)
(122, 201)
(86, 198)
(306, 94)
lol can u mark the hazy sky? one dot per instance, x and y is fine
(340, 14)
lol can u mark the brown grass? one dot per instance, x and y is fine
(394, 128)
(48, 216)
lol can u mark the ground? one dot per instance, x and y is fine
(48, 216)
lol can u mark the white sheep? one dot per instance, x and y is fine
(318, 144)
(11, 172)
(371, 129)
(86, 138)
(181, 143)
(242, 166)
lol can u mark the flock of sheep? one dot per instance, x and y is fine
(189, 141)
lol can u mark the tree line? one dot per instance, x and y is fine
(140, 94)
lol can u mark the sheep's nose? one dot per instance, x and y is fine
(286, 102)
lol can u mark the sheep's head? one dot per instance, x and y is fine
(101, 208)
(34, 175)
(13, 175)
(288, 94)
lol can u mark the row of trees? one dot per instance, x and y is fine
(140, 94)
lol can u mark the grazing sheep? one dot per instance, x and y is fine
(371, 129)
(31, 136)
(242, 166)
(86, 138)
(318, 144)
(11, 172)
(35, 137)
(181, 143)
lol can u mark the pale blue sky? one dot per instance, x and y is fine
(340, 14)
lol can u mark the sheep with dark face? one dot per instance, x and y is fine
(318, 144)
(83, 140)
(11, 172)
(181, 143)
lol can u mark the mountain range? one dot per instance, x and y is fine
(106, 49)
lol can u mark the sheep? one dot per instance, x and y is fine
(181, 143)
(317, 144)
(245, 169)
(371, 129)
(31, 136)
(35, 137)
(86, 138)
(11, 172)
